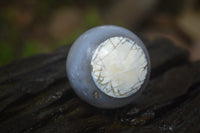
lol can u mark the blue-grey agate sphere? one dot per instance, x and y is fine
(108, 67)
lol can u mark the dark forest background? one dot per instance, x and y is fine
(28, 27)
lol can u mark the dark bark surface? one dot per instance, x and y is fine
(35, 96)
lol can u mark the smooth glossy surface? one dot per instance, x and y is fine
(79, 68)
(119, 67)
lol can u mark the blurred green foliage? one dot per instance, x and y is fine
(92, 17)
(8, 36)
(28, 27)
(16, 40)
(6, 53)
(30, 48)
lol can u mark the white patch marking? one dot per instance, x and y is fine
(119, 67)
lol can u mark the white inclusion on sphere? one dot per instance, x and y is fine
(119, 67)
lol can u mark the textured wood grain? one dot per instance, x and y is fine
(35, 97)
